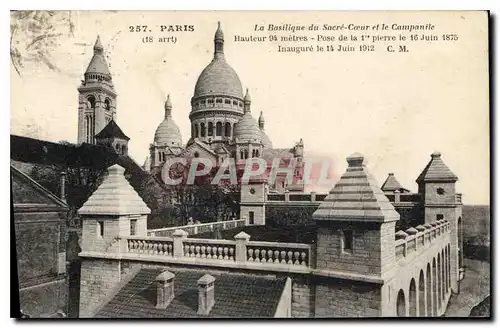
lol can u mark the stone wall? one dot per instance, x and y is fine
(302, 298)
(340, 298)
(45, 299)
(98, 278)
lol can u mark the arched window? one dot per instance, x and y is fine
(117, 147)
(107, 104)
(242, 154)
(210, 129)
(196, 131)
(124, 150)
(227, 129)
(246, 153)
(256, 153)
(202, 128)
(92, 102)
(218, 129)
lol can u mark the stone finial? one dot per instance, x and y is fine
(164, 289)
(411, 231)
(401, 234)
(206, 294)
(436, 154)
(168, 107)
(242, 236)
(98, 48)
(355, 160)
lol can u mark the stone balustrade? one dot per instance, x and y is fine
(419, 238)
(240, 251)
(279, 253)
(194, 229)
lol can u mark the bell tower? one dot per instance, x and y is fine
(96, 97)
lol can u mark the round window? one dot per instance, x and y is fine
(440, 191)
(252, 191)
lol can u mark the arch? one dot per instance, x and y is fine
(117, 147)
(242, 154)
(400, 304)
(449, 266)
(210, 129)
(246, 153)
(107, 104)
(218, 129)
(227, 129)
(412, 297)
(421, 294)
(460, 242)
(434, 288)
(443, 276)
(256, 153)
(202, 128)
(124, 149)
(429, 291)
(439, 280)
(92, 101)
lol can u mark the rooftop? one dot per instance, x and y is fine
(236, 295)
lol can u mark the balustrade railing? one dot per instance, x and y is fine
(240, 250)
(194, 229)
(415, 239)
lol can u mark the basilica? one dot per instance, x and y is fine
(222, 124)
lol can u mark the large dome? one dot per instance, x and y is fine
(218, 78)
(168, 132)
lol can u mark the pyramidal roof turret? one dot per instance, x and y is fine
(98, 62)
(115, 196)
(391, 183)
(436, 170)
(356, 197)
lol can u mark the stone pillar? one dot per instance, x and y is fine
(397, 196)
(241, 248)
(313, 196)
(178, 236)
(287, 195)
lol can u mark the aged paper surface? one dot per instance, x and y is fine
(113, 98)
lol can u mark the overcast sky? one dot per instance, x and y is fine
(395, 108)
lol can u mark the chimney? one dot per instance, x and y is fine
(164, 289)
(206, 295)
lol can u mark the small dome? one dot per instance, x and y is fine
(168, 132)
(218, 78)
(247, 129)
(266, 142)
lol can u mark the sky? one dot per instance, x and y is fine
(394, 108)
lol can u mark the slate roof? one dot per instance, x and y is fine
(436, 170)
(236, 296)
(112, 130)
(356, 197)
